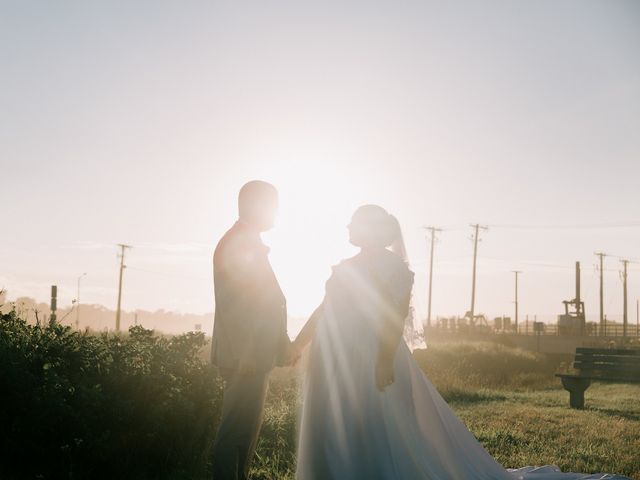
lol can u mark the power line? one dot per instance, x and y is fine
(567, 227)
(166, 274)
(519, 262)
(620, 257)
(517, 226)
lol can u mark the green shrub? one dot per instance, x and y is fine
(75, 405)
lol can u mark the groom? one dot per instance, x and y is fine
(249, 331)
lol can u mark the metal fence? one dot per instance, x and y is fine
(462, 326)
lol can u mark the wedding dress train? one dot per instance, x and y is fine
(350, 430)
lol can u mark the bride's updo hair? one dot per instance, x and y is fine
(372, 225)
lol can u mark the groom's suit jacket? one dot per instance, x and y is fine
(250, 308)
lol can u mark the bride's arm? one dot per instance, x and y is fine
(389, 339)
(390, 336)
(306, 334)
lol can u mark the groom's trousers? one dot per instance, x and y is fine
(242, 412)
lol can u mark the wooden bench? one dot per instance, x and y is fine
(603, 365)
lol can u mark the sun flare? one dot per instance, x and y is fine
(310, 234)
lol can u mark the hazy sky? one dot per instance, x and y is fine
(137, 122)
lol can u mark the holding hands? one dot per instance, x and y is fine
(293, 354)
(294, 349)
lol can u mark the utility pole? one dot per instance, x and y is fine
(624, 297)
(122, 267)
(602, 327)
(78, 303)
(476, 228)
(433, 231)
(516, 272)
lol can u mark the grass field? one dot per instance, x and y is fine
(509, 399)
(537, 428)
(145, 406)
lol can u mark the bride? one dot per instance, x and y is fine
(369, 412)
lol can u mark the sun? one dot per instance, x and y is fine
(310, 234)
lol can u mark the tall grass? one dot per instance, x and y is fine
(459, 367)
(276, 451)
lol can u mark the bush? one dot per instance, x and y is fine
(75, 405)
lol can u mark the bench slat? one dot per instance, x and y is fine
(601, 379)
(590, 361)
(609, 351)
(608, 355)
(605, 366)
(608, 363)
(610, 371)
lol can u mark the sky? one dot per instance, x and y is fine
(138, 122)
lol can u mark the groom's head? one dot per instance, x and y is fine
(258, 204)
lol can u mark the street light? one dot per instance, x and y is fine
(78, 302)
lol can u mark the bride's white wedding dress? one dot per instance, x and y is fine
(352, 431)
